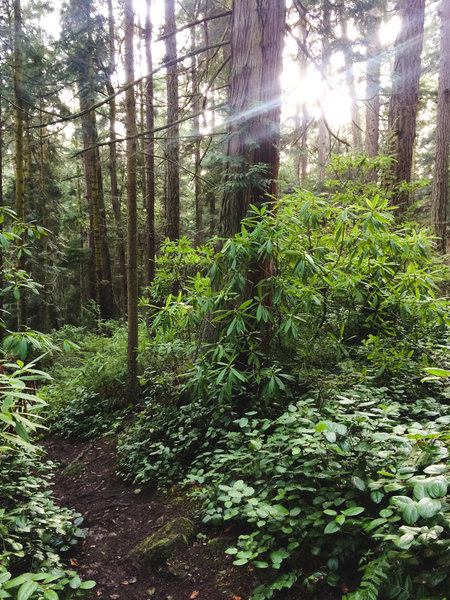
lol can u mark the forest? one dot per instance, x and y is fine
(224, 282)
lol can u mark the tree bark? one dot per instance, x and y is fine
(440, 176)
(172, 146)
(405, 95)
(131, 164)
(254, 102)
(373, 95)
(19, 119)
(115, 195)
(197, 144)
(149, 154)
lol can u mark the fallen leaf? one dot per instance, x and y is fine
(74, 562)
(132, 580)
(194, 594)
(237, 598)
(124, 582)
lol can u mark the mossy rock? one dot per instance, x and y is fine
(157, 548)
(74, 468)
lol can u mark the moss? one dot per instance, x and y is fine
(157, 548)
(74, 468)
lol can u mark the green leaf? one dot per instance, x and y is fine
(358, 483)
(405, 540)
(27, 589)
(436, 469)
(278, 556)
(332, 527)
(88, 585)
(50, 595)
(428, 507)
(353, 511)
(410, 514)
(377, 497)
(75, 582)
(437, 487)
(401, 501)
(419, 490)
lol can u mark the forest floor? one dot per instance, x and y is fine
(118, 517)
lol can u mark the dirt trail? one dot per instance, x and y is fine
(118, 519)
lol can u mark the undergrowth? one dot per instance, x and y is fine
(296, 403)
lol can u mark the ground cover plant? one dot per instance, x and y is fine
(354, 469)
(34, 531)
(299, 408)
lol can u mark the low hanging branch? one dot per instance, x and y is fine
(193, 24)
(128, 85)
(138, 135)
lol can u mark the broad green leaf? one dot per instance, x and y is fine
(428, 507)
(278, 556)
(410, 514)
(358, 483)
(332, 527)
(50, 595)
(437, 487)
(88, 585)
(27, 589)
(401, 501)
(75, 582)
(353, 511)
(405, 540)
(377, 497)
(419, 490)
(436, 469)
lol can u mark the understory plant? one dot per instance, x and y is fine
(33, 529)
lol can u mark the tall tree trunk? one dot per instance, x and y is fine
(254, 101)
(131, 163)
(173, 146)
(19, 119)
(149, 154)
(440, 176)
(373, 95)
(405, 94)
(350, 78)
(94, 192)
(115, 195)
(323, 142)
(197, 143)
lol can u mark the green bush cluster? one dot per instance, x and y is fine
(286, 383)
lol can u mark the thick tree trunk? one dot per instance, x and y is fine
(405, 94)
(254, 101)
(149, 154)
(373, 96)
(19, 119)
(172, 146)
(115, 195)
(131, 163)
(440, 176)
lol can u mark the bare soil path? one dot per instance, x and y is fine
(118, 519)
